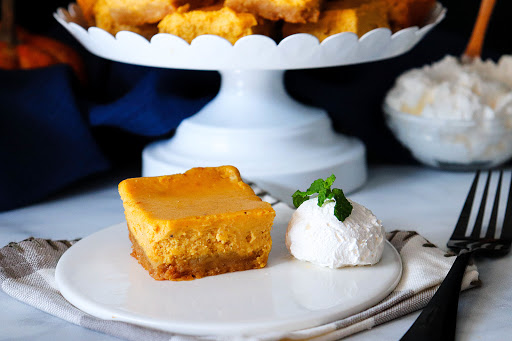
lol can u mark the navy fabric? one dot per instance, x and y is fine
(156, 103)
(45, 142)
(47, 120)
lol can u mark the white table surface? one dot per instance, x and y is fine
(413, 198)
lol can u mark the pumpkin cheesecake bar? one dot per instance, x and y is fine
(203, 222)
(103, 19)
(138, 12)
(406, 13)
(217, 20)
(294, 11)
(357, 16)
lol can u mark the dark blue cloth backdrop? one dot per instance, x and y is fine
(54, 131)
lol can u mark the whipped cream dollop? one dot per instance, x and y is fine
(315, 235)
(451, 90)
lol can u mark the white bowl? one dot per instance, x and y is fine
(453, 144)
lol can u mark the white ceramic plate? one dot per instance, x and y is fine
(99, 276)
(210, 52)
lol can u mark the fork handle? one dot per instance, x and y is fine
(438, 319)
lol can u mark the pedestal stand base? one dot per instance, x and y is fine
(274, 141)
(349, 165)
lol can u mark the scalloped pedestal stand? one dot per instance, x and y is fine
(253, 124)
(275, 141)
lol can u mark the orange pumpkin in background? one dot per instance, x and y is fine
(20, 49)
(35, 51)
(8, 57)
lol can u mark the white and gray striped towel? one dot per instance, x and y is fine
(27, 273)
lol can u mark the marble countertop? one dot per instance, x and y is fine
(412, 198)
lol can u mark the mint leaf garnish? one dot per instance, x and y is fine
(330, 180)
(299, 197)
(342, 208)
(322, 196)
(316, 187)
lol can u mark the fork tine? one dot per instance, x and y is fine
(506, 233)
(462, 224)
(491, 229)
(480, 217)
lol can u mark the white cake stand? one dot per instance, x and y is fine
(253, 123)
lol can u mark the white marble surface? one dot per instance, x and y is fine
(426, 200)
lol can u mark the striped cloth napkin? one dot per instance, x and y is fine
(27, 273)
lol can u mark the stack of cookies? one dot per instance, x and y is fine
(234, 19)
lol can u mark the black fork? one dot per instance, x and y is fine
(438, 320)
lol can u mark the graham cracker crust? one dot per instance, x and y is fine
(185, 269)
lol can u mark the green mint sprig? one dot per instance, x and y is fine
(343, 207)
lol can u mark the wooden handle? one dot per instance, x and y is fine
(474, 48)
